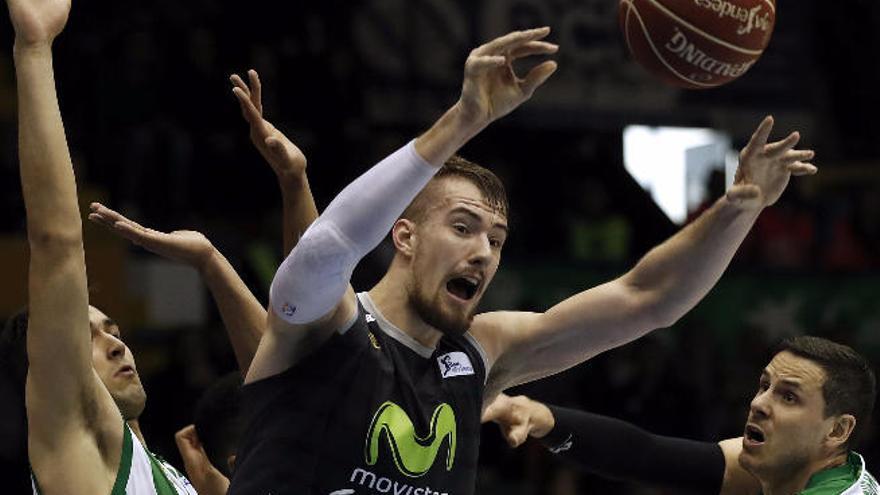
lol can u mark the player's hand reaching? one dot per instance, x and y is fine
(519, 418)
(283, 156)
(206, 479)
(37, 22)
(765, 168)
(491, 88)
(185, 246)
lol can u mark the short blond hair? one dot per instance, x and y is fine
(457, 167)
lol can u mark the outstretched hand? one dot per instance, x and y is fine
(765, 168)
(185, 246)
(285, 158)
(519, 417)
(37, 21)
(491, 87)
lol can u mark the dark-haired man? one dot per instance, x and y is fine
(83, 393)
(813, 404)
(381, 392)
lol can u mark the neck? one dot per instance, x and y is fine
(391, 299)
(789, 484)
(136, 428)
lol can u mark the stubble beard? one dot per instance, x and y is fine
(431, 312)
(131, 403)
(780, 466)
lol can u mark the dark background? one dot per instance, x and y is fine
(155, 132)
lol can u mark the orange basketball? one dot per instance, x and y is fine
(697, 43)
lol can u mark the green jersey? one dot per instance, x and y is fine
(849, 479)
(142, 473)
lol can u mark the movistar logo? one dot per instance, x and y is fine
(413, 455)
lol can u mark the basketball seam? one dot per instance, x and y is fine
(703, 33)
(657, 52)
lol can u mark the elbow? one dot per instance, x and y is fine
(55, 239)
(661, 314)
(655, 306)
(656, 311)
(666, 320)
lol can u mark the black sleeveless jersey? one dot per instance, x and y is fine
(371, 412)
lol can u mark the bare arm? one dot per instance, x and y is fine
(63, 393)
(58, 331)
(205, 477)
(243, 316)
(285, 158)
(659, 290)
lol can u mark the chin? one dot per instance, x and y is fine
(752, 465)
(131, 403)
(449, 322)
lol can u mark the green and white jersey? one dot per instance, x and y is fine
(849, 479)
(142, 473)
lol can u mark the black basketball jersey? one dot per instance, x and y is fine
(371, 412)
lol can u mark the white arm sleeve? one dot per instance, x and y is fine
(314, 277)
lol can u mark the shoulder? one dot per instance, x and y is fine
(79, 456)
(497, 331)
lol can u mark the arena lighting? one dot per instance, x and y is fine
(673, 164)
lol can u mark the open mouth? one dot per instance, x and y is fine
(754, 434)
(464, 288)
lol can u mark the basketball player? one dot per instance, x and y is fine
(813, 404)
(83, 393)
(381, 392)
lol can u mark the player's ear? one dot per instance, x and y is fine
(841, 430)
(403, 235)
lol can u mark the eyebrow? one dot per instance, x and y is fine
(785, 381)
(791, 383)
(467, 211)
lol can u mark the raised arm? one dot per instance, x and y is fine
(58, 344)
(659, 290)
(285, 158)
(63, 392)
(243, 316)
(615, 449)
(311, 296)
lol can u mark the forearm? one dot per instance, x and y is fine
(448, 135)
(298, 209)
(242, 314)
(313, 279)
(615, 449)
(675, 275)
(47, 178)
